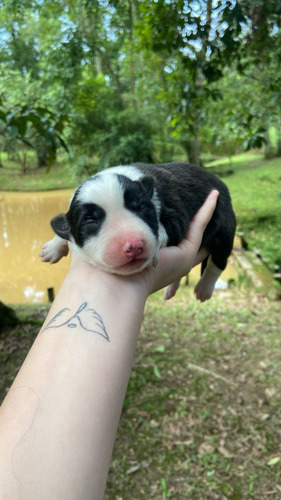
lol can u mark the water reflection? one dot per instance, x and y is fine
(24, 226)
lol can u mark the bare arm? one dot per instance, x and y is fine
(59, 420)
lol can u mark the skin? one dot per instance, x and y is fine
(59, 420)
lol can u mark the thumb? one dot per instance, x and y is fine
(201, 220)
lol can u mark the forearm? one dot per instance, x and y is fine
(59, 420)
(73, 382)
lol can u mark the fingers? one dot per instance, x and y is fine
(201, 220)
(205, 213)
(201, 255)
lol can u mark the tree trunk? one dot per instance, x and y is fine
(268, 148)
(132, 51)
(192, 150)
(278, 131)
(42, 152)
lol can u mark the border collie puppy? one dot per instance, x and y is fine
(120, 217)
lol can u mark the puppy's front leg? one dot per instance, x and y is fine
(53, 250)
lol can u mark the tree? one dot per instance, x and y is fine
(184, 46)
(85, 47)
(199, 44)
(101, 60)
(26, 125)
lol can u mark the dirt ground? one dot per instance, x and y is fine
(202, 414)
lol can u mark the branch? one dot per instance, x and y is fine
(197, 368)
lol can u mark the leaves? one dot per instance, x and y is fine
(19, 121)
(164, 63)
(157, 372)
(273, 461)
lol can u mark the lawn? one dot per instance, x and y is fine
(60, 176)
(255, 187)
(201, 418)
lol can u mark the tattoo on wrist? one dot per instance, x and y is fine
(85, 317)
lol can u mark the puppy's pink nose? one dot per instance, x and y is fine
(133, 248)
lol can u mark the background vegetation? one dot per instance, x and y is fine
(133, 80)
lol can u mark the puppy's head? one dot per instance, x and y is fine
(112, 223)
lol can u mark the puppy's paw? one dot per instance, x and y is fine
(203, 292)
(52, 251)
(171, 290)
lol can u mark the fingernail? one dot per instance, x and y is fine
(214, 194)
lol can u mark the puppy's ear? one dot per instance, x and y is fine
(61, 226)
(147, 183)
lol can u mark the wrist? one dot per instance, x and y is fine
(88, 283)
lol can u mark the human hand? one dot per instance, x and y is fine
(177, 261)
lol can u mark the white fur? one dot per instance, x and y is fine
(133, 173)
(130, 171)
(205, 286)
(52, 251)
(104, 190)
(120, 225)
(162, 236)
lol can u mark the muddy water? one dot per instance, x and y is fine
(24, 226)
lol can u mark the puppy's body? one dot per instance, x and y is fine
(119, 218)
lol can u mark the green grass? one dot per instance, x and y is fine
(237, 160)
(201, 425)
(60, 176)
(255, 187)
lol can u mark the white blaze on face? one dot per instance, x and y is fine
(125, 244)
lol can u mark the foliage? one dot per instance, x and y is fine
(128, 140)
(96, 60)
(29, 125)
(198, 43)
(114, 135)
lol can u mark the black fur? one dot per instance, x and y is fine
(137, 199)
(82, 221)
(182, 190)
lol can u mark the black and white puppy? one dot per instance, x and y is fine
(120, 217)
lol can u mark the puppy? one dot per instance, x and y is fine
(120, 217)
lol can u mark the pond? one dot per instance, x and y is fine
(24, 227)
